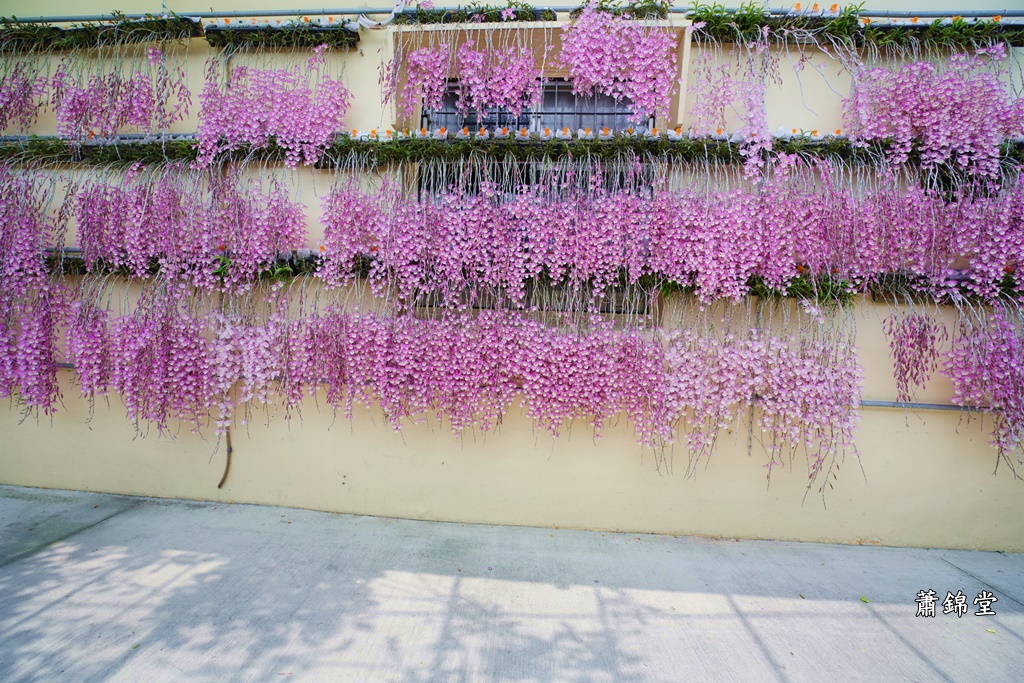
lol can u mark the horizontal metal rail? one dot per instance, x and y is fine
(914, 405)
(318, 12)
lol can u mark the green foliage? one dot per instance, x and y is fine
(298, 35)
(640, 9)
(960, 34)
(750, 20)
(58, 151)
(824, 289)
(119, 31)
(475, 12)
(371, 154)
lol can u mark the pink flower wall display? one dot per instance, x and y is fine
(426, 78)
(148, 99)
(22, 95)
(213, 232)
(622, 58)
(915, 341)
(957, 112)
(525, 274)
(986, 365)
(300, 110)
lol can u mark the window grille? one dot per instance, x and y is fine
(559, 108)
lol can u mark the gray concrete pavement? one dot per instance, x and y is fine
(108, 588)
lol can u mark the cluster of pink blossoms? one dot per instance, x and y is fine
(260, 106)
(32, 306)
(426, 78)
(915, 341)
(210, 231)
(622, 58)
(957, 114)
(102, 105)
(21, 96)
(986, 365)
(468, 371)
(492, 78)
(715, 241)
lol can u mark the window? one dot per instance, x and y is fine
(559, 108)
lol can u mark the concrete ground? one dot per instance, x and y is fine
(99, 587)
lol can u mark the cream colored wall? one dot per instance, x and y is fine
(927, 477)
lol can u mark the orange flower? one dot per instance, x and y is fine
(838, 131)
(586, 131)
(226, 20)
(865, 21)
(718, 131)
(504, 130)
(914, 20)
(997, 17)
(605, 130)
(322, 248)
(221, 247)
(465, 130)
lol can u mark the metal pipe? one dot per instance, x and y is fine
(238, 14)
(913, 405)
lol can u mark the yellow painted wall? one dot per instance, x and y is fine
(926, 480)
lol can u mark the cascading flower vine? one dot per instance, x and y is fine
(802, 222)
(957, 112)
(500, 78)
(915, 341)
(147, 99)
(300, 110)
(623, 58)
(986, 365)
(22, 95)
(426, 78)
(211, 231)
